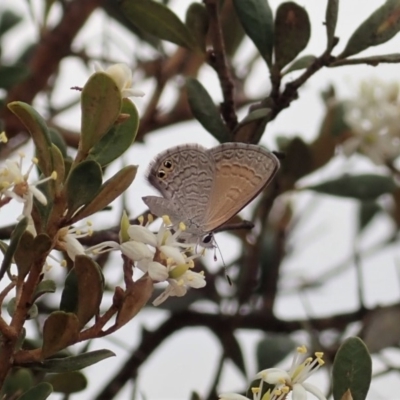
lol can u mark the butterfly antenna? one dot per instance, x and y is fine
(227, 277)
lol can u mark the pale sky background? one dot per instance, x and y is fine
(188, 360)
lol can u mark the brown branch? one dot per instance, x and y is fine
(260, 321)
(217, 59)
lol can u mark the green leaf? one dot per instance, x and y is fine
(251, 128)
(378, 28)
(352, 369)
(69, 296)
(272, 349)
(90, 288)
(29, 250)
(8, 19)
(39, 132)
(33, 311)
(197, 22)
(367, 211)
(12, 247)
(300, 63)
(331, 16)
(257, 21)
(135, 298)
(362, 187)
(119, 138)
(23, 255)
(73, 363)
(205, 111)
(59, 166)
(101, 102)
(46, 286)
(40, 392)
(58, 141)
(159, 20)
(292, 32)
(67, 382)
(83, 289)
(108, 192)
(298, 159)
(59, 331)
(83, 184)
(19, 380)
(10, 75)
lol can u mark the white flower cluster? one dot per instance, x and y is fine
(160, 255)
(286, 381)
(374, 118)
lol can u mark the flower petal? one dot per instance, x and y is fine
(136, 251)
(231, 396)
(157, 271)
(174, 253)
(142, 234)
(299, 393)
(314, 390)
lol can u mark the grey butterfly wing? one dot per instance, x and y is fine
(241, 172)
(184, 176)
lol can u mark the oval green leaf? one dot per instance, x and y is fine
(361, 187)
(39, 132)
(108, 192)
(378, 28)
(205, 111)
(352, 370)
(67, 382)
(252, 127)
(256, 19)
(119, 138)
(135, 298)
(273, 349)
(12, 247)
(59, 331)
(101, 102)
(40, 392)
(83, 184)
(197, 22)
(90, 288)
(158, 20)
(73, 363)
(46, 286)
(331, 16)
(292, 33)
(301, 63)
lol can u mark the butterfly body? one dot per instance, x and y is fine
(204, 188)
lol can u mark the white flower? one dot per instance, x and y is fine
(14, 185)
(374, 119)
(67, 240)
(301, 369)
(286, 381)
(122, 76)
(159, 254)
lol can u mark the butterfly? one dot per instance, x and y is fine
(205, 188)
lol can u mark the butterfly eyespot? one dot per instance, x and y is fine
(161, 174)
(167, 164)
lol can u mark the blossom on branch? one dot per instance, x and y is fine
(122, 76)
(160, 255)
(284, 381)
